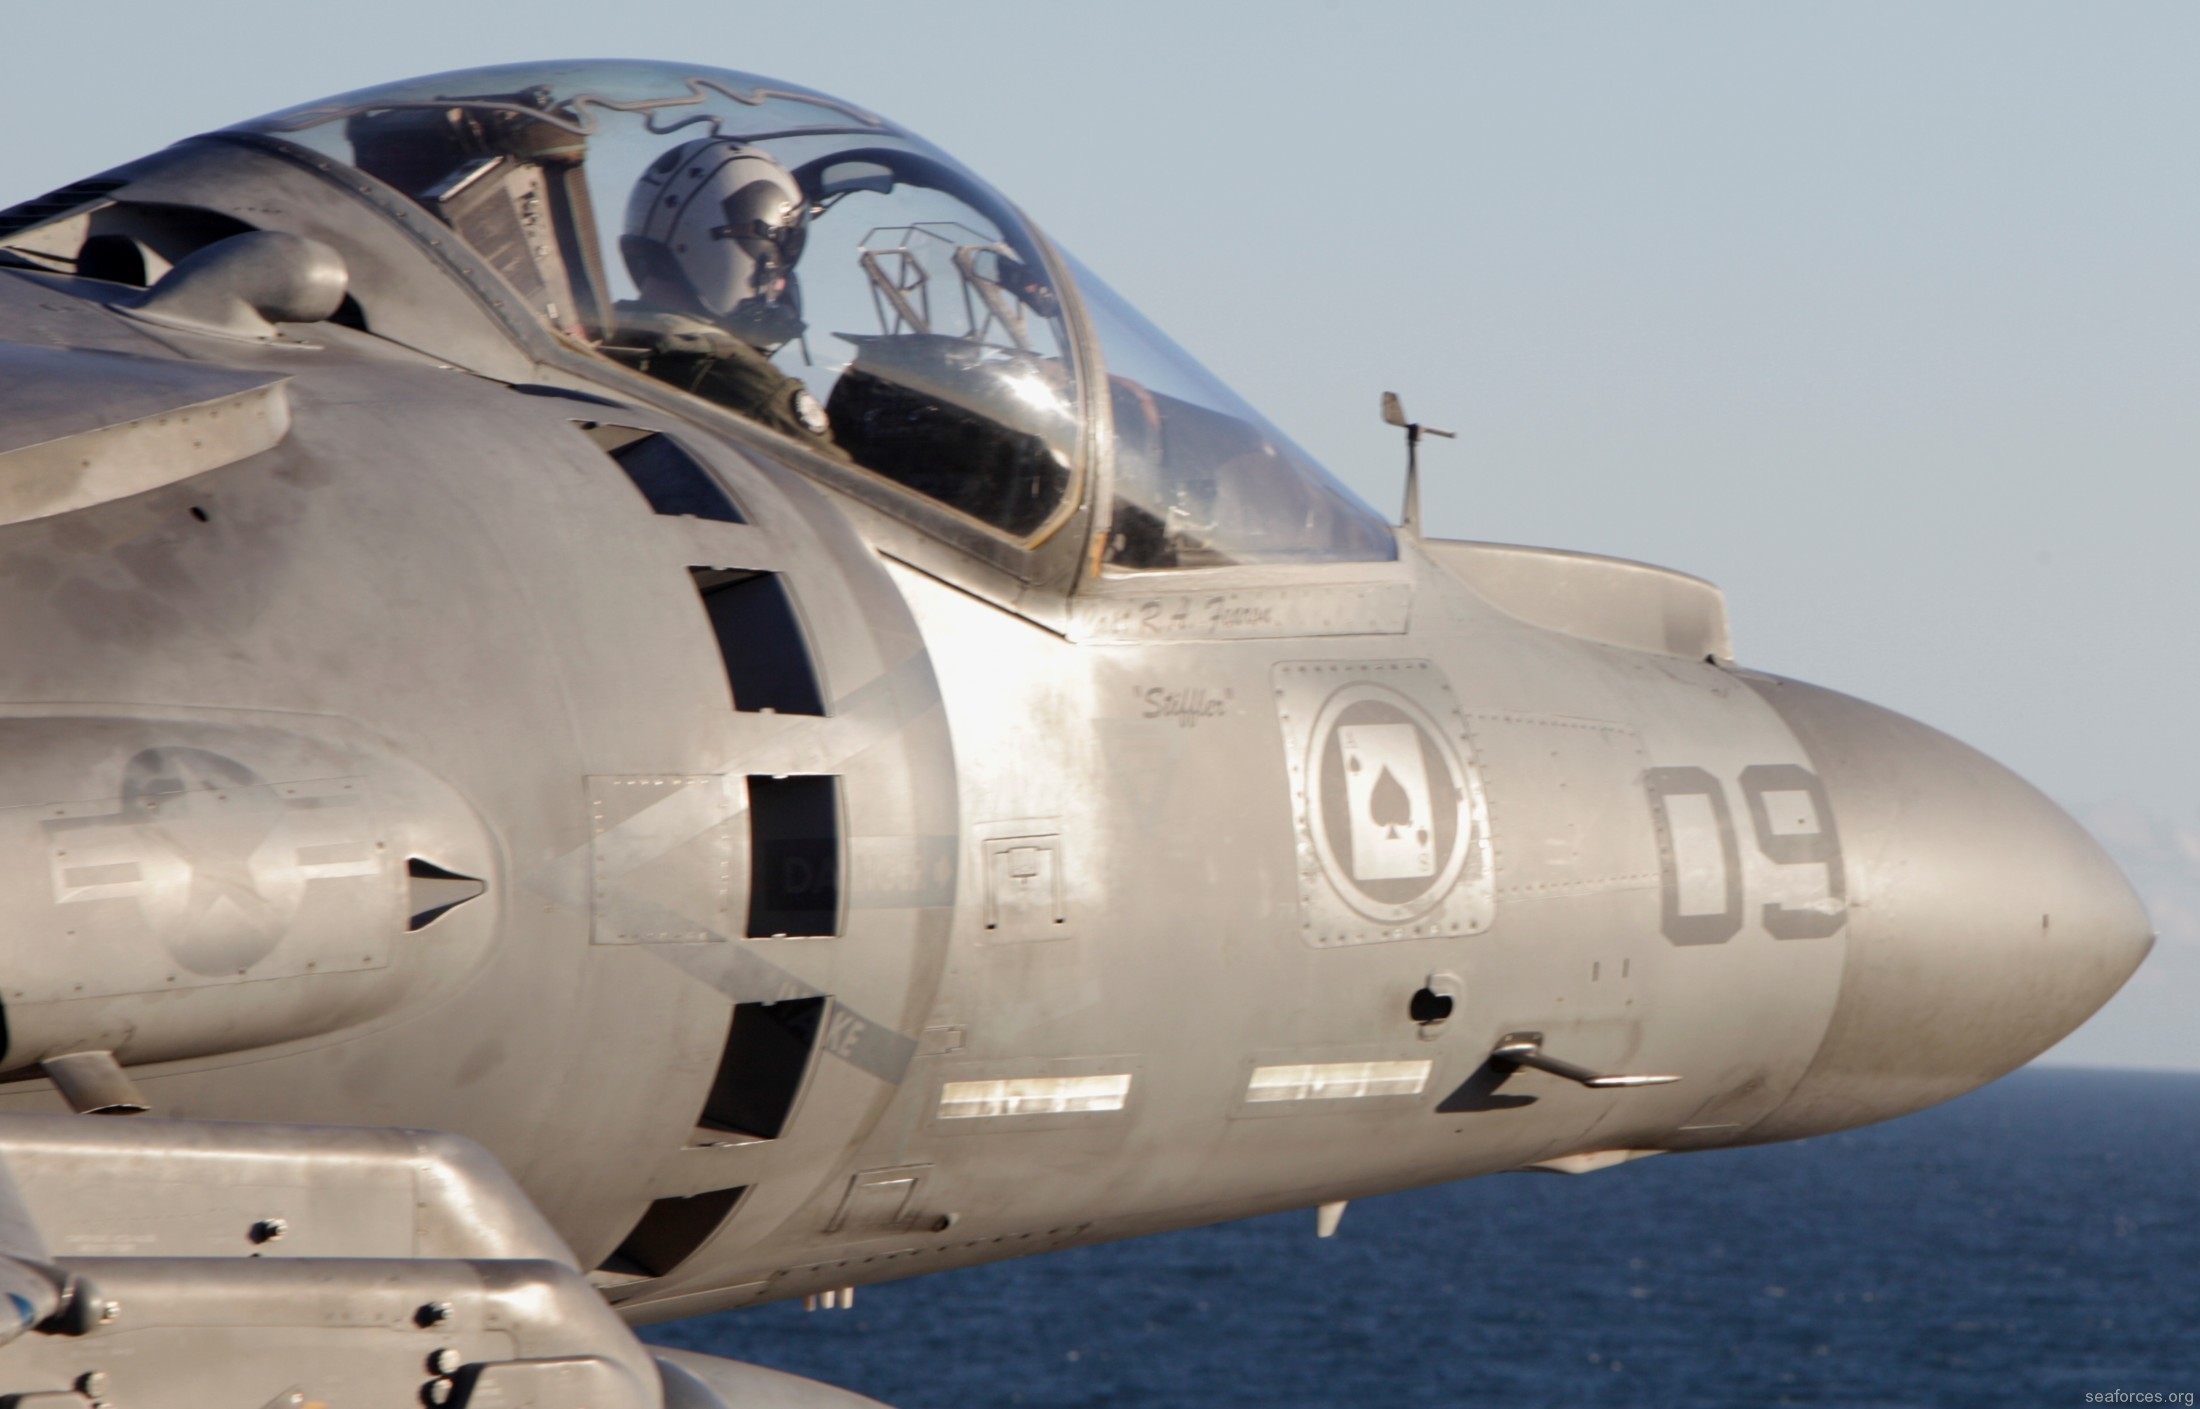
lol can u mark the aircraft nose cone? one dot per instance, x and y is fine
(1984, 922)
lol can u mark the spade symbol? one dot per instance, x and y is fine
(1388, 806)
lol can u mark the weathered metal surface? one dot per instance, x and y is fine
(81, 428)
(1611, 600)
(382, 761)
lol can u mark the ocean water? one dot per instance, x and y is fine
(2029, 1244)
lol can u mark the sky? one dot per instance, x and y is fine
(1881, 316)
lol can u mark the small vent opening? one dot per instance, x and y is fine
(115, 259)
(671, 1232)
(1427, 1006)
(769, 666)
(768, 1051)
(671, 479)
(433, 891)
(794, 856)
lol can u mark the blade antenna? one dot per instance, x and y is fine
(1394, 414)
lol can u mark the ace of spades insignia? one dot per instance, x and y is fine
(1392, 830)
(1386, 780)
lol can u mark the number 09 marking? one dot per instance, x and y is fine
(1701, 863)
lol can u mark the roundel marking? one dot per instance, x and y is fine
(1393, 831)
(1384, 792)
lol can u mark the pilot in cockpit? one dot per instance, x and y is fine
(713, 231)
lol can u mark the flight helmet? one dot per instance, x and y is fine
(713, 229)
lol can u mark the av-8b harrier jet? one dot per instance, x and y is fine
(627, 696)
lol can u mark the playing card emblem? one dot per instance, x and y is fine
(1386, 781)
(1393, 828)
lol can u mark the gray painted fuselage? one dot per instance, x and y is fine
(1102, 964)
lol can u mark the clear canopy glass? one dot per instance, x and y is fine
(1201, 478)
(820, 271)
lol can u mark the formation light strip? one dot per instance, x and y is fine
(1035, 1095)
(1332, 1081)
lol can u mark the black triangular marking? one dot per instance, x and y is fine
(434, 890)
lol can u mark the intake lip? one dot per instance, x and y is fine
(1984, 923)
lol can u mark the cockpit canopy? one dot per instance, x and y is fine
(822, 272)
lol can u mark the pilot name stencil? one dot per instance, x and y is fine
(1266, 613)
(1392, 828)
(1186, 707)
